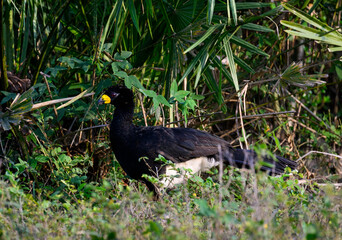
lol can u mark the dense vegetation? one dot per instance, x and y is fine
(260, 75)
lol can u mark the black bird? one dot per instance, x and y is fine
(136, 148)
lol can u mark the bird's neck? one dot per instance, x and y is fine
(122, 119)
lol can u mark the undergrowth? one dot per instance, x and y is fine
(244, 205)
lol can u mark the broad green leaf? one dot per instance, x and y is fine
(148, 93)
(115, 68)
(4, 122)
(121, 74)
(162, 100)
(85, 66)
(133, 81)
(191, 104)
(54, 71)
(196, 97)
(126, 54)
(72, 62)
(174, 88)
(8, 96)
(181, 94)
(42, 159)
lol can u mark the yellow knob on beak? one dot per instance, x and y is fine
(106, 99)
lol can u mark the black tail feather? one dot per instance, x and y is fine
(243, 158)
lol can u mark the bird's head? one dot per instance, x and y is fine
(117, 96)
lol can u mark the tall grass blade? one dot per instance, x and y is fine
(208, 33)
(231, 62)
(211, 6)
(134, 15)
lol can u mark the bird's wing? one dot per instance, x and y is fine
(178, 144)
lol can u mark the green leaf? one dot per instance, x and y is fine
(148, 93)
(121, 74)
(174, 88)
(250, 47)
(233, 10)
(293, 75)
(243, 64)
(203, 52)
(204, 209)
(256, 27)
(311, 20)
(126, 54)
(71, 62)
(250, 5)
(230, 58)
(338, 70)
(307, 32)
(4, 123)
(133, 81)
(201, 65)
(166, 15)
(208, 33)
(196, 97)
(85, 66)
(8, 96)
(211, 6)
(54, 71)
(134, 15)
(77, 33)
(161, 99)
(277, 142)
(110, 22)
(115, 67)
(42, 159)
(335, 49)
(191, 103)
(181, 94)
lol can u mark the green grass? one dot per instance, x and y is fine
(243, 206)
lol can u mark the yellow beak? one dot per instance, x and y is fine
(106, 99)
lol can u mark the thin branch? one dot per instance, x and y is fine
(324, 153)
(307, 109)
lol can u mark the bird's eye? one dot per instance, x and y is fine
(114, 95)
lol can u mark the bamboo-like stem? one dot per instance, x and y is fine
(3, 77)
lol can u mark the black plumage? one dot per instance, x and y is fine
(136, 148)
